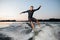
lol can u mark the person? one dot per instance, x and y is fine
(30, 15)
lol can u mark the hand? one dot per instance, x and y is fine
(40, 6)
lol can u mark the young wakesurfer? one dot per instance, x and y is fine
(30, 15)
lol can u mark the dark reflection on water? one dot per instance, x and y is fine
(3, 37)
(30, 38)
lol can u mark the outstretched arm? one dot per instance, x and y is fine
(37, 8)
(23, 12)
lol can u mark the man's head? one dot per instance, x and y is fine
(31, 7)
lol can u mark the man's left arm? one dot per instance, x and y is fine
(37, 8)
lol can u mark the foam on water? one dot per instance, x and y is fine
(22, 31)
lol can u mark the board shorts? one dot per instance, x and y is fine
(32, 19)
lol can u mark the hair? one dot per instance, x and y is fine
(32, 6)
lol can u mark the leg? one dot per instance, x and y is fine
(35, 20)
(32, 25)
(38, 22)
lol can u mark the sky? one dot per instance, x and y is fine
(11, 9)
